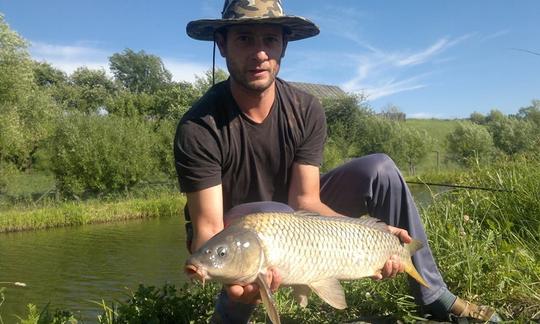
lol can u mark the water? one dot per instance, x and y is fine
(71, 267)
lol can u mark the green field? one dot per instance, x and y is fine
(437, 129)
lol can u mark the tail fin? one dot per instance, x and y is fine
(412, 247)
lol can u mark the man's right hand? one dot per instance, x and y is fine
(249, 294)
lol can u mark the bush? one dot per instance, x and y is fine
(469, 143)
(102, 154)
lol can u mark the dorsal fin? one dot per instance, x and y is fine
(373, 223)
(306, 213)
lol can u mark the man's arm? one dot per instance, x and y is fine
(304, 194)
(206, 213)
(304, 190)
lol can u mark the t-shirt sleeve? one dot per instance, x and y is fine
(197, 157)
(310, 150)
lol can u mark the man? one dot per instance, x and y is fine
(253, 142)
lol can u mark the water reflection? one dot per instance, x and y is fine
(71, 267)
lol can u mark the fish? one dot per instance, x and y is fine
(311, 252)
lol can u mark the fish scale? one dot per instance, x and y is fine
(344, 248)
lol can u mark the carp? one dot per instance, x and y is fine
(311, 252)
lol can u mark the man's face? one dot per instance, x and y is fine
(253, 54)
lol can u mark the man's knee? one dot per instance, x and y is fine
(377, 165)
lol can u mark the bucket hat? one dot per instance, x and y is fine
(237, 12)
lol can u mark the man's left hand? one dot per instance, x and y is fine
(394, 266)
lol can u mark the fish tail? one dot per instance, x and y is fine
(412, 247)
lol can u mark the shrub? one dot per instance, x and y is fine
(469, 142)
(101, 154)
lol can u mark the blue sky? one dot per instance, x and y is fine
(441, 59)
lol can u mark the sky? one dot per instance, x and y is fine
(431, 59)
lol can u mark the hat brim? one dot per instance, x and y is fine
(297, 27)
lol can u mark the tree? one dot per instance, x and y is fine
(204, 82)
(27, 113)
(139, 72)
(477, 118)
(393, 112)
(531, 112)
(512, 135)
(469, 143)
(46, 75)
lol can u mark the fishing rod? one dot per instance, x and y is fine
(458, 186)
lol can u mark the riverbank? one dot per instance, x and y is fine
(90, 212)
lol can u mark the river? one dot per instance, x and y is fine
(71, 267)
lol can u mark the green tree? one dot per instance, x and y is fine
(469, 143)
(46, 75)
(531, 112)
(512, 135)
(173, 100)
(27, 113)
(477, 118)
(204, 82)
(138, 71)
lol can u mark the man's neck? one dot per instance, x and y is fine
(256, 105)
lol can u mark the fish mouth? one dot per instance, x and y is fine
(196, 273)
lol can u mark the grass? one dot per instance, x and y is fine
(92, 211)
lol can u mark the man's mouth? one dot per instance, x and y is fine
(257, 72)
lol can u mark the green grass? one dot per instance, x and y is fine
(92, 211)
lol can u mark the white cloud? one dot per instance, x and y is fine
(380, 74)
(70, 57)
(498, 34)
(184, 70)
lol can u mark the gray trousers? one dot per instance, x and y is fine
(367, 185)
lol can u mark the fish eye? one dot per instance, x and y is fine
(222, 251)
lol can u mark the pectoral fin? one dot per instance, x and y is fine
(268, 299)
(330, 291)
(301, 293)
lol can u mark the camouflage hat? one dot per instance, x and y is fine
(253, 12)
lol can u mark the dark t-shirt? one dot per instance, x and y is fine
(216, 143)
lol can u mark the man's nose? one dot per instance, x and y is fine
(260, 50)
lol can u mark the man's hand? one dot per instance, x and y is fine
(249, 294)
(394, 266)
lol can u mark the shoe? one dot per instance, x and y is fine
(463, 309)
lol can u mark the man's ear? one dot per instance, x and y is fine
(220, 41)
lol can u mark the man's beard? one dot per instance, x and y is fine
(255, 85)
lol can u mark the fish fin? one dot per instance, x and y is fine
(267, 299)
(331, 292)
(301, 293)
(412, 247)
(305, 213)
(373, 223)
